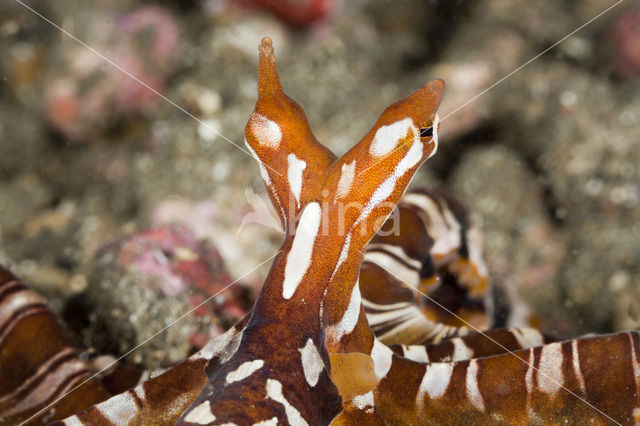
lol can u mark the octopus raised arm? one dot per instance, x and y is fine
(336, 334)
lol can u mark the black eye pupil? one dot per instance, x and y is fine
(426, 132)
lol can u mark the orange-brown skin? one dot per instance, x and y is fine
(488, 343)
(283, 320)
(287, 324)
(274, 366)
(502, 382)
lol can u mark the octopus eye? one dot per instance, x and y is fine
(426, 132)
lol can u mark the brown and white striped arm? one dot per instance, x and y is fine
(160, 400)
(428, 247)
(593, 380)
(280, 371)
(39, 360)
(306, 354)
(473, 345)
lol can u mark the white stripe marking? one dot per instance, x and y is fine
(343, 255)
(397, 251)
(387, 137)
(461, 352)
(267, 181)
(382, 357)
(380, 307)
(274, 391)
(416, 353)
(434, 140)
(216, 345)
(231, 348)
(551, 379)
(445, 233)
(528, 377)
(473, 391)
(120, 411)
(382, 192)
(475, 245)
(527, 337)
(394, 266)
(73, 421)
(349, 318)
(271, 422)
(140, 392)
(201, 415)
(294, 175)
(435, 381)
(634, 360)
(364, 401)
(575, 358)
(346, 179)
(15, 301)
(403, 313)
(312, 364)
(244, 370)
(266, 131)
(299, 258)
(263, 170)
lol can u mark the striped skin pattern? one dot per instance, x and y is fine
(438, 372)
(281, 368)
(277, 368)
(438, 253)
(30, 377)
(602, 370)
(473, 345)
(337, 337)
(162, 399)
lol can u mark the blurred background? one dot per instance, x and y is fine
(126, 211)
